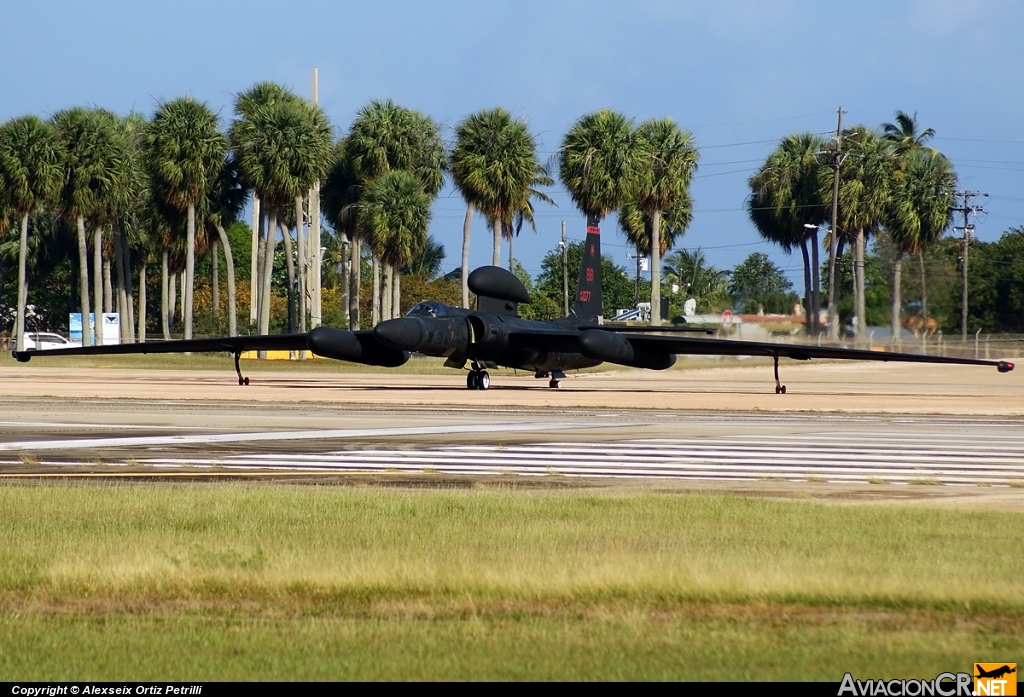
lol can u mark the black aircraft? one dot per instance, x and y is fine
(494, 335)
(995, 673)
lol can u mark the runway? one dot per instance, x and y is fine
(142, 438)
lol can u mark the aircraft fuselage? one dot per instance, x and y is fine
(480, 337)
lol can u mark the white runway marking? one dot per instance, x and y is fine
(148, 441)
(846, 459)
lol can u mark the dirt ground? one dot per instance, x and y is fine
(812, 387)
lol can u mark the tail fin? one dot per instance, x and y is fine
(589, 304)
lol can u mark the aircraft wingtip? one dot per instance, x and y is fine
(1005, 366)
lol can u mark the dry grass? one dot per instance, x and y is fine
(251, 581)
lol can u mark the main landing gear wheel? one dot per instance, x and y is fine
(478, 380)
(554, 384)
(779, 387)
(241, 380)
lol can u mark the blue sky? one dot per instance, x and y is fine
(739, 74)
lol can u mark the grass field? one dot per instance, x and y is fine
(250, 581)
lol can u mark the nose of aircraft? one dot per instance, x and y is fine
(403, 333)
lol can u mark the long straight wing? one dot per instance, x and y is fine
(329, 342)
(567, 340)
(230, 344)
(729, 347)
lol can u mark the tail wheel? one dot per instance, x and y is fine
(483, 380)
(472, 380)
(554, 384)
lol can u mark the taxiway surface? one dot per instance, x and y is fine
(954, 439)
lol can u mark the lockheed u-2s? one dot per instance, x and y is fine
(494, 335)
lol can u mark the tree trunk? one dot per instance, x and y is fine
(895, 324)
(346, 282)
(286, 236)
(128, 285)
(141, 334)
(257, 280)
(815, 284)
(496, 256)
(122, 292)
(172, 302)
(108, 289)
(181, 295)
(97, 279)
(188, 289)
(215, 284)
(22, 284)
(375, 295)
(229, 263)
(302, 249)
(268, 272)
(862, 322)
(316, 307)
(83, 281)
(387, 308)
(355, 274)
(511, 257)
(165, 296)
(396, 297)
(924, 295)
(808, 303)
(465, 255)
(254, 261)
(655, 268)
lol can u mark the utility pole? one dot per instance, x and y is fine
(968, 230)
(565, 271)
(837, 160)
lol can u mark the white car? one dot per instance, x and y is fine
(40, 341)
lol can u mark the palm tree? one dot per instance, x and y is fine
(122, 204)
(224, 203)
(598, 163)
(904, 134)
(907, 140)
(282, 145)
(668, 160)
(495, 167)
(93, 169)
(863, 196)
(428, 262)
(396, 214)
(185, 152)
(786, 205)
(30, 175)
(696, 279)
(523, 211)
(339, 201)
(919, 211)
(386, 138)
(636, 224)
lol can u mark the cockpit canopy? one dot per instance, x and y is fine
(428, 308)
